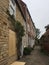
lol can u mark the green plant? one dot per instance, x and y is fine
(27, 51)
(19, 29)
(17, 25)
(20, 33)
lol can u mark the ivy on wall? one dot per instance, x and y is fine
(19, 29)
(20, 33)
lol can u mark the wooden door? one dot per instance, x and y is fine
(12, 46)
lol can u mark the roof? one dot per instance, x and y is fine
(23, 7)
(46, 33)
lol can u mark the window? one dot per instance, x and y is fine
(11, 10)
(13, 2)
(12, 7)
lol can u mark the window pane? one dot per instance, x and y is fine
(13, 2)
(11, 10)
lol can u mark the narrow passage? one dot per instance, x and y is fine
(36, 58)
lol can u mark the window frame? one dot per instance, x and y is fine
(13, 2)
(12, 8)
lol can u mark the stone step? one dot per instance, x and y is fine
(18, 63)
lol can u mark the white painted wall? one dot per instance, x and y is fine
(32, 42)
(21, 50)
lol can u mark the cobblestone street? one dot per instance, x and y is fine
(36, 58)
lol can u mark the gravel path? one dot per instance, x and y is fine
(36, 58)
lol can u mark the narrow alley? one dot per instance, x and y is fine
(36, 58)
(24, 25)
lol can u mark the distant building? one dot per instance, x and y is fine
(44, 41)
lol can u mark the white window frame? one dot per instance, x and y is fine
(13, 2)
(12, 8)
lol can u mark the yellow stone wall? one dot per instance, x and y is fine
(5, 25)
(20, 18)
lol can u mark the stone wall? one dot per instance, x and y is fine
(30, 29)
(3, 33)
(20, 18)
(5, 25)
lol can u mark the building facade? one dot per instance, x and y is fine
(8, 36)
(8, 52)
(21, 18)
(44, 41)
(31, 33)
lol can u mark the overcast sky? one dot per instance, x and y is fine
(39, 10)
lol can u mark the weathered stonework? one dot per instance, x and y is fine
(5, 25)
(20, 18)
(3, 33)
(8, 54)
(30, 29)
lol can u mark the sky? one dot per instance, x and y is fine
(39, 11)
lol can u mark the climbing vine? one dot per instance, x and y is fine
(19, 29)
(20, 33)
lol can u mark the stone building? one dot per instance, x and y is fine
(8, 36)
(21, 18)
(8, 52)
(23, 15)
(31, 33)
(8, 40)
(44, 41)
